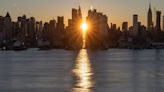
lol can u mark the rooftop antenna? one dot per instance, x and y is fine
(149, 4)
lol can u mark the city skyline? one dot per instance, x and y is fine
(117, 11)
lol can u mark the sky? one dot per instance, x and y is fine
(116, 10)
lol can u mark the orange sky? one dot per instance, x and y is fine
(116, 10)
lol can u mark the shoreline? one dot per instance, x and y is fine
(100, 49)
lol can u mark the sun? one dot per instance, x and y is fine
(84, 26)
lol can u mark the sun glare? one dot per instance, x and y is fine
(84, 26)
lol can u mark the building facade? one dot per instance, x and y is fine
(158, 21)
(150, 19)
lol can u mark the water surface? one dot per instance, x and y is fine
(115, 70)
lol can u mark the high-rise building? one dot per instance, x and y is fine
(74, 14)
(158, 21)
(70, 22)
(7, 27)
(149, 18)
(125, 26)
(79, 13)
(113, 26)
(77, 16)
(74, 33)
(59, 34)
(31, 30)
(39, 29)
(60, 27)
(60, 20)
(1, 30)
(52, 31)
(23, 27)
(163, 22)
(97, 34)
(45, 33)
(135, 25)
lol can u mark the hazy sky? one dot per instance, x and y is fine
(116, 10)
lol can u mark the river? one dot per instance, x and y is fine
(114, 70)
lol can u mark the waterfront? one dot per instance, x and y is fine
(114, 70)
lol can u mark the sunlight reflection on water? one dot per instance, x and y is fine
(83, 73)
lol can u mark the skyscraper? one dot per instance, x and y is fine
(80, 13)
(74, 33)
(58, 36)
(125, 26)
(7, 27)
(74, 14)
(163, 22)
(60, 27)
(31, 32)
(158, 21)
(23, 26)
(97, 34)
(149, 18)
(135, 25)
(1, 30)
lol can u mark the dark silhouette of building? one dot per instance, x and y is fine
(59, 34)
(7, 28)
(97, 35)
(114, 36)
(150, 19)
(125, 26)
(39, 29)
(113, 26)
(1, 30)
(53, 34)
(74, 33)
(31, 38)
(22, 28)
(158, 21)
(135, 25)
(163, 23)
